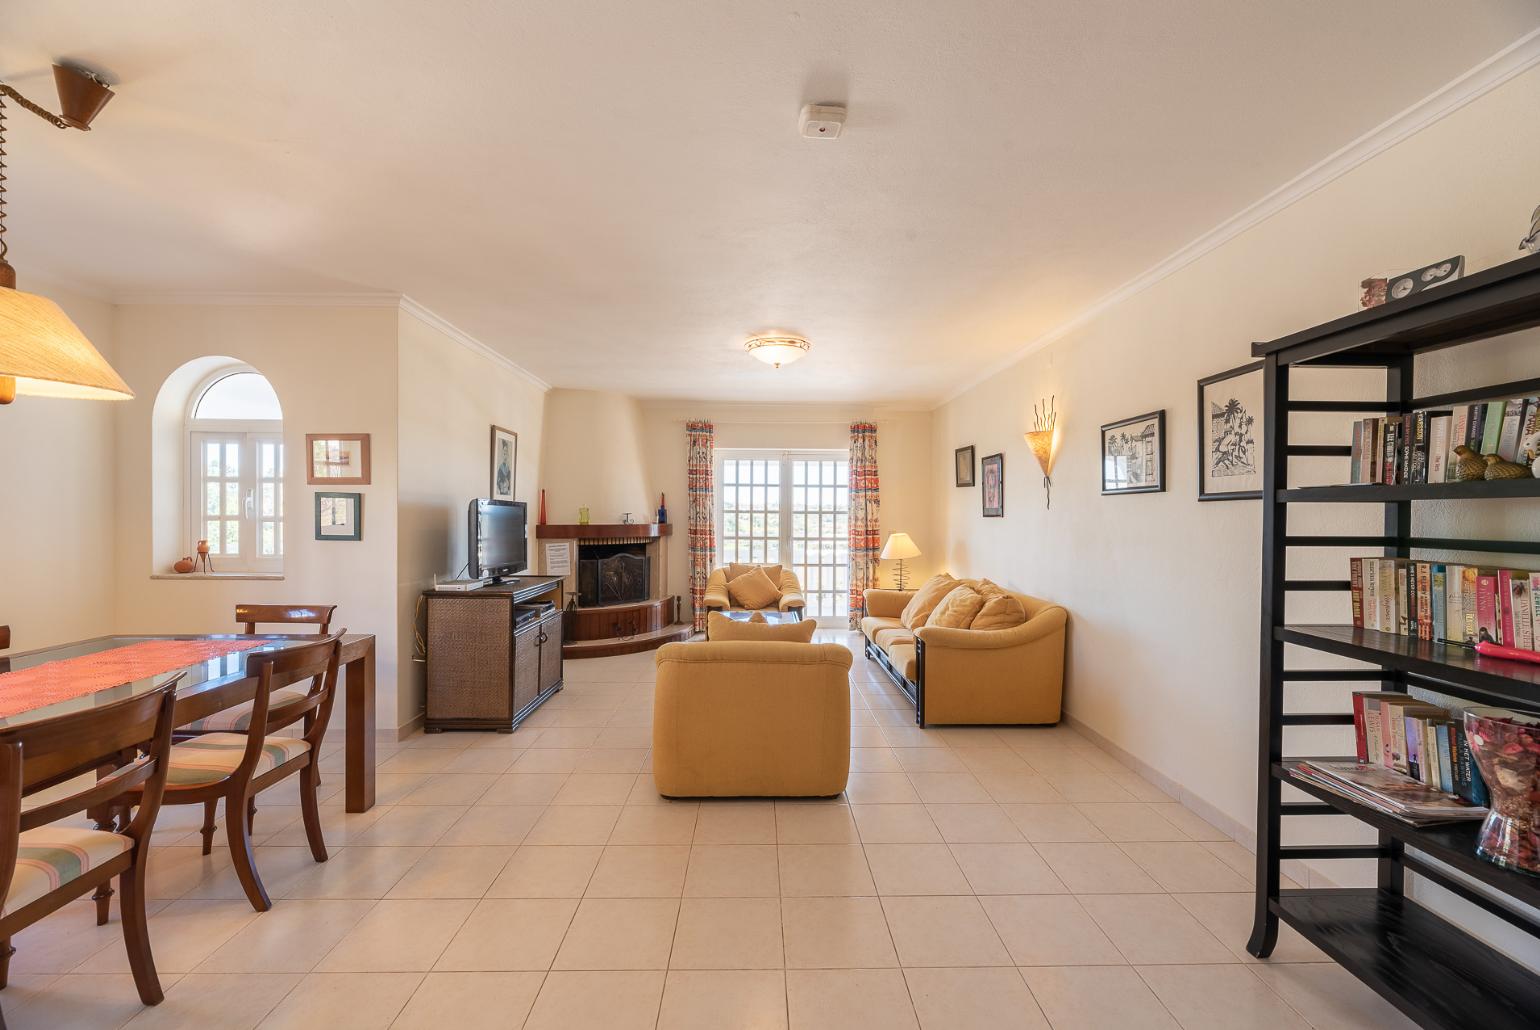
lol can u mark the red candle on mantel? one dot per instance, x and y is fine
(542, 508)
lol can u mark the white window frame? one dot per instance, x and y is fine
(785, 541)
(249, 435)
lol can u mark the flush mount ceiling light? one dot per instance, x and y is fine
(42, 352)
(777, 350)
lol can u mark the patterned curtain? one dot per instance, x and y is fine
(865, 531)
(703, 544)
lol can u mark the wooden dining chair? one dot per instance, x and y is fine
(236, 767)
(237, 718)
(45, 864)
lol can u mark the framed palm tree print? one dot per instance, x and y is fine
(1230, 434)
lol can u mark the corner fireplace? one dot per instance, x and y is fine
(613, 574)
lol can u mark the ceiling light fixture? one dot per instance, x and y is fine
(42, 352)
(778, 350)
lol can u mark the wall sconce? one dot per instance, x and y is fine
(1043, 440)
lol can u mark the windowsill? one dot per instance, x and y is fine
(216, 575)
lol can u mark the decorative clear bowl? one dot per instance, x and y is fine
(1506, 748)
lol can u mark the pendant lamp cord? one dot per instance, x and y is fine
(43, 113)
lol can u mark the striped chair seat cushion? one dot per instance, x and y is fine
(238, 718)
(51, 856)
(214, 756)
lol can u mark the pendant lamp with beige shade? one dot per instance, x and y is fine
(42, 352)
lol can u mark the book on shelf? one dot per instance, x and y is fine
(1451, 604)
(1418, 446)
(1387, 791)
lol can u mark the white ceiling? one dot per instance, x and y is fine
(615, 193)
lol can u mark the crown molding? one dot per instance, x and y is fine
(235, 298)
(466, 340)
(1514, 59)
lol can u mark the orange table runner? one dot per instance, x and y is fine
(69, 678)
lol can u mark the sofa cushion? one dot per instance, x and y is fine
(1000, 611)
(736, 569)
(957, 609)
(719, 627)
(753, 590)
(886, 638)
(872, 624)
(903, 657)
(925, 600)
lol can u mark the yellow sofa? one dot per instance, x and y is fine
(964, 676)
(751, 719)
(718, 600)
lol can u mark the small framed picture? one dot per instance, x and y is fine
(339, 516)
(992, 470)
(963, 459)
(1134, 455)
(505, 463)
(1230, 434)
(337, 459)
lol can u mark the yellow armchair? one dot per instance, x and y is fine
(717, 599)
(751, 719)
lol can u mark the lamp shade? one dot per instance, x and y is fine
(778, 350)
(899, 546)
(1041, 443)
(48, 356)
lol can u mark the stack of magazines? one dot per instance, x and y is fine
(1387, 791)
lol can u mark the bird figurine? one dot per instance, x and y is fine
(1501, 468)
(1531, 243)
(1471, 465)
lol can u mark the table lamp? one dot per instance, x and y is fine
(899, 547)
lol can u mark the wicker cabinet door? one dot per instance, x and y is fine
(526, 665)
(550, 652)
(468, 658)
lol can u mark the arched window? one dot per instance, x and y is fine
(235, 446)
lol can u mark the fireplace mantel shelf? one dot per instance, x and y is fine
(613, 531)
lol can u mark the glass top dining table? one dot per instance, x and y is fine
(210, 685)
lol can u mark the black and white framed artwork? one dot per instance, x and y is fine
(1134, 454)
(1230, 434)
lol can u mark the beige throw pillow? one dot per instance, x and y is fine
(753, 590)
(925, 600)
(719, 628)
(735, 569)
(957, 609)
(1000, 611)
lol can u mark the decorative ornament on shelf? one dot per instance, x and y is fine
(1471, 465)
(583, 516)
(1531, 243)
(184, 565)
(1501, 468)
(1506, 748)
(542, 508)
(777, 350)
(42, 352)
(1374, 292)
(662, 509)
(898, 548)
(1530, 449)
(204, 562)
(1044, 440)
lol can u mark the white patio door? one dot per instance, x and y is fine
(789, 507)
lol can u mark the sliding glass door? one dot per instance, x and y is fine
(789, 508)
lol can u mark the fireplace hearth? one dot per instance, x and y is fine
(613, 574)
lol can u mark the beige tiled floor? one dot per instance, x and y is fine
(970, 878)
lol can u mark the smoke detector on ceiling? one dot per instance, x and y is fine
(823, 121)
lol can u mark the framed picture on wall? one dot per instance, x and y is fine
(1230, 434)
(1134, 455)
(337, 459)
(992, 471)
(963, 460)
(339, 516)
(505, 463)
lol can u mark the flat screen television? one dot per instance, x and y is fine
(496, 538)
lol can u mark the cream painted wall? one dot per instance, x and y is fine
(335, 371)
(450, 397)
(1163, 590)
(57, 514)
(592, 456)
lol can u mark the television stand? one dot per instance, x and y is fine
(490, 661)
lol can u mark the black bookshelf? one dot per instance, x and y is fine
(1429, 968)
